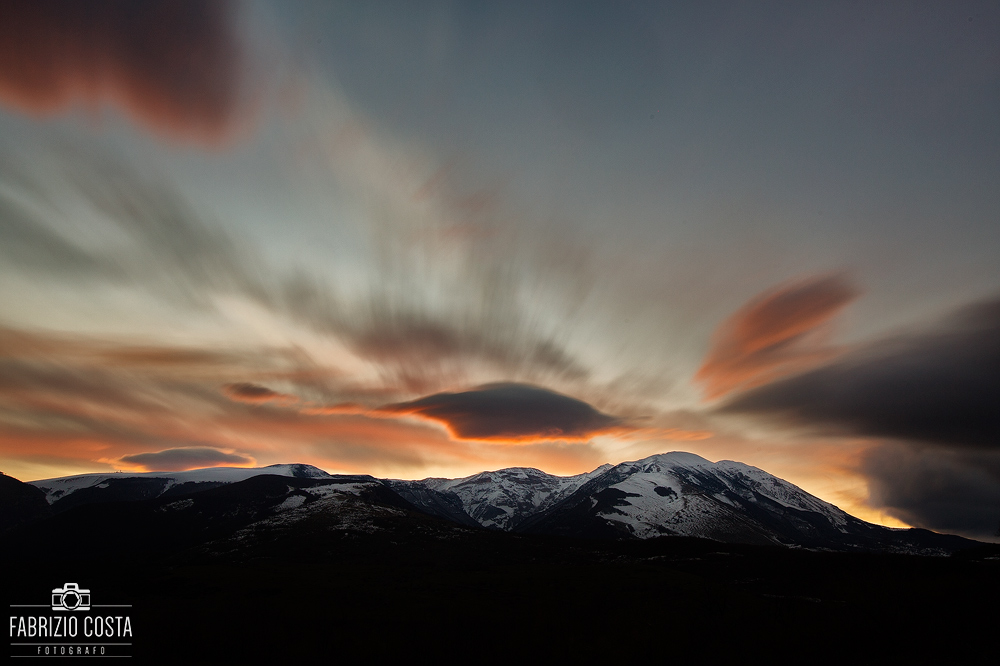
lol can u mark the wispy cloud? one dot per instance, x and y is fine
(779, 333)
(91, 221)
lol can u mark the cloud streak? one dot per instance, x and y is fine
(777, 334)
(90, 220)
(940, 386)
(177, 67)
(928, 401)
(142, 235)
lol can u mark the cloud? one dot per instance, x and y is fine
(33, 346)
(939, 386)
(671, 434)
(934, 488)
(176, 66)
(342, 409)
(778, 333)
(71, 404)
(193, 457)
(511, 412)
(254, 393)
(929, 400)
(68, 397)
(419, 347)
(458, 288)
(27, 244)
(86, 220)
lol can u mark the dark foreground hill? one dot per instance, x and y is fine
(487, 597)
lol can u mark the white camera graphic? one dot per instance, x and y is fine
(70, 597)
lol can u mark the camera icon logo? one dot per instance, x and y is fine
(70, 597)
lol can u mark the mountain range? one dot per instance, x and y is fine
(670, 494)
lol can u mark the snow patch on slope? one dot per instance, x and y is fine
(58, 488)
(681, 493)
(502, 498)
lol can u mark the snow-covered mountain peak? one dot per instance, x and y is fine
(671, 460)
(673, 493)
(683, 493)
(498, 499)
(160, 482)
(297, 470)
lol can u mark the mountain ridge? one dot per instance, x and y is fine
(668, 494)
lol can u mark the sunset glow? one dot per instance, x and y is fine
(420, 243)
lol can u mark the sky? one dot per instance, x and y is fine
(428, 239)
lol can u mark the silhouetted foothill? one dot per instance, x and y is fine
(20, 503)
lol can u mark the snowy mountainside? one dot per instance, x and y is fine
(672, 490)
(263, 513)
(677, 493)
(684, 494)
(85, 488)
(499, 499)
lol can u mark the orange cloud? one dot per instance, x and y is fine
(777, 334)
(174, 65)
(340, 409)
(70, 404)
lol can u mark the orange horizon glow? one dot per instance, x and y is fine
(86, 405)
(551, 459)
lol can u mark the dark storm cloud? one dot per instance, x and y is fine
(956, 491)
(194, 457)
(175, 65)
(940, 386)
(511, 412)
